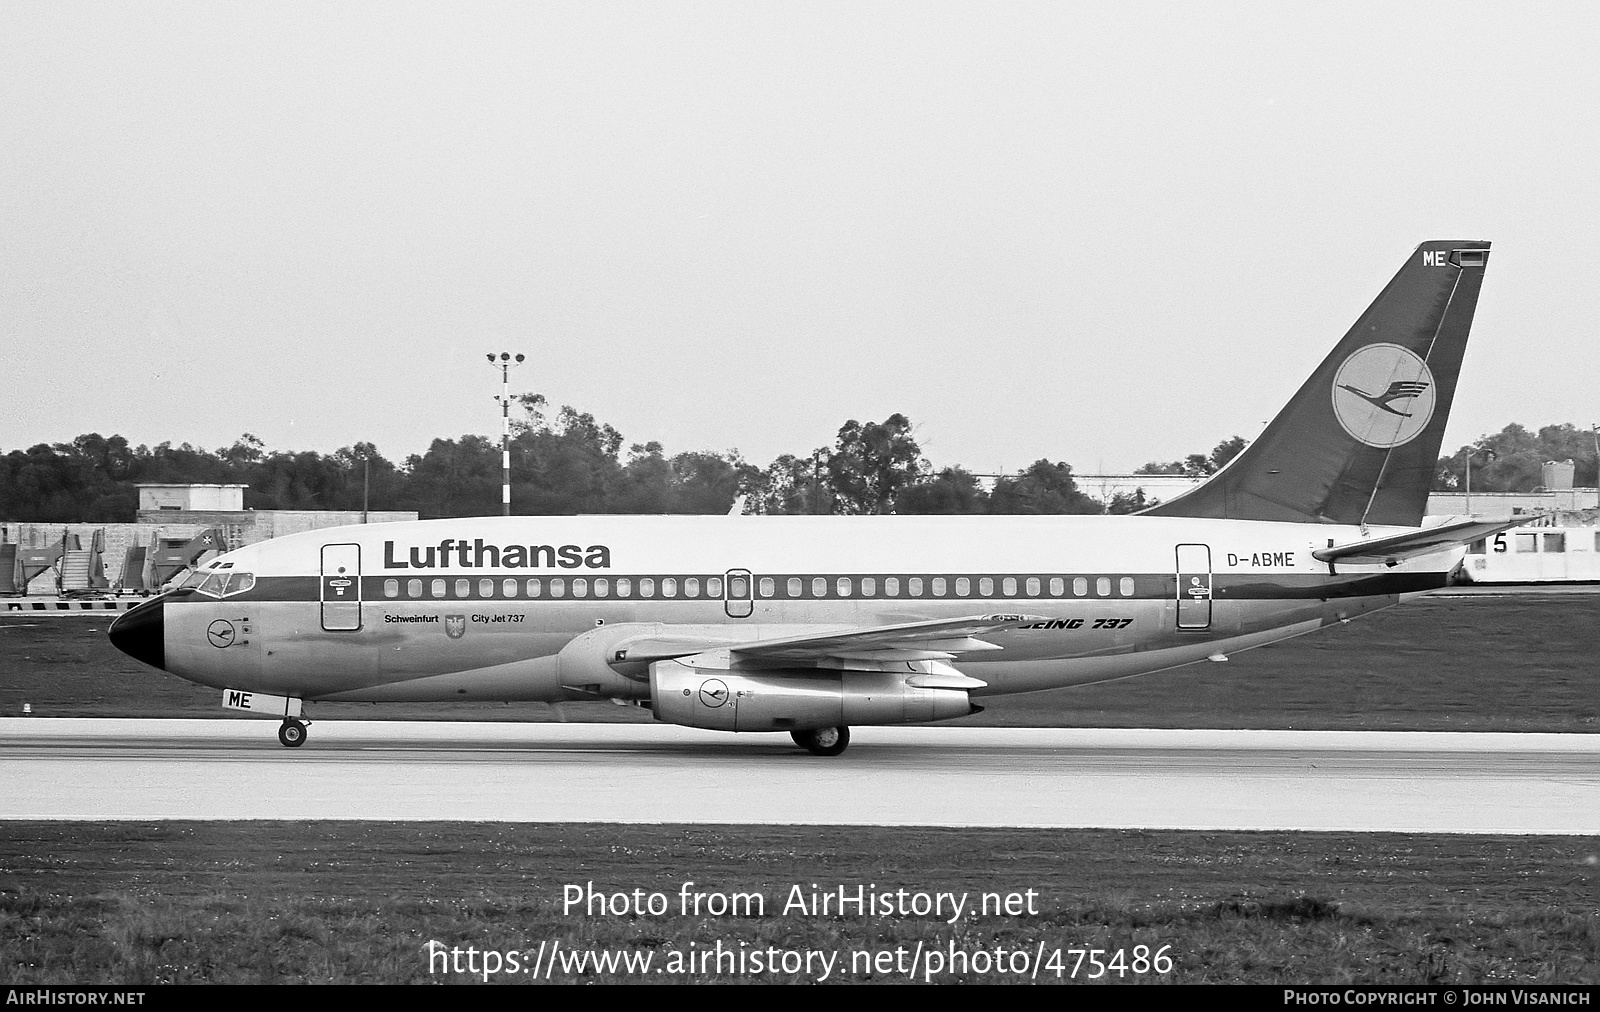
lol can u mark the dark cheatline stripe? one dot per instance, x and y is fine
(1147, 586)
(1234, 587)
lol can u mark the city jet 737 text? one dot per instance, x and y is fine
(812, 624)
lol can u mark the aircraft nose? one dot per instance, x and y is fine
(141, 634)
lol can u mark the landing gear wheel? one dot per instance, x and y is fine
(292, 734)
(822, 740)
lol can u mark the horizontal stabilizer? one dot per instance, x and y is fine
(1394, 549)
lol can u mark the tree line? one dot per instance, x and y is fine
(567, 462)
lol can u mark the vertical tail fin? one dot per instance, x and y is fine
(1359, 442)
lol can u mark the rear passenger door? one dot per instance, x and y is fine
(1194, 587)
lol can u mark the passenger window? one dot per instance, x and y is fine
(914, 586)
(1033, 586)
(437, 588)
(1008, 586)
(986, 586)
(413, 588)
(1080, 586)
(1058, 586)
(391, 588)
(795, 586)
(843, 586)
(602, 588)
(486, 587)
(1102, 586)
(938, 586)
(534, 588)
(768, 586)
(869, 586)
(1126, 586)
(739, 588)
(819, 587)
(691, 587)
(558, 587)
(463, 588)
(580, 587)
(508, 587)
(669, 587)
(624, 586)
(647, 587)
(714, 586)
(963, 586)
(891, 586)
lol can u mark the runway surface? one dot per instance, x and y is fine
(1325, 780)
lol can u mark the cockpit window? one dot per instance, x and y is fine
(221, 583)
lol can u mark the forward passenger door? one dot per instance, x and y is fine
(341, 588)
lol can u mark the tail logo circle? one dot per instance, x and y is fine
(1383, 395)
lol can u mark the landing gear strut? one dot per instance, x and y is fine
(822, 740)
(292, 733)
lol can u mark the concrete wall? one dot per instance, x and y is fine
(1505, 505)
(191, 497)
(1156, 486)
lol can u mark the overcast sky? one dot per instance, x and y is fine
(1099, 233)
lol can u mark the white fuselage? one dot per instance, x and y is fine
(525, 608)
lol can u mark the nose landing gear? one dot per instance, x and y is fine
(292, 734)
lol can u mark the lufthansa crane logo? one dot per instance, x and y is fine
(220, 634)
(1383, 395)
(713, 692)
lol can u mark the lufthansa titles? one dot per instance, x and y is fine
(452, 553)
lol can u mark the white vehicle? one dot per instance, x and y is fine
(1537, 554)
(809, 625)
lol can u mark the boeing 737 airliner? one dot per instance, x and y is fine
(812, 624)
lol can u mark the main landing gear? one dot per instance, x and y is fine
(822, 740)
(292, 733)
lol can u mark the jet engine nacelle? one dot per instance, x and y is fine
(799, 700)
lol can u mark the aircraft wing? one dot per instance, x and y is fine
(939, 639)
(1395, 548)
(935, 640)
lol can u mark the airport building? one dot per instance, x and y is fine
(173, 521)
(1556, 494)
